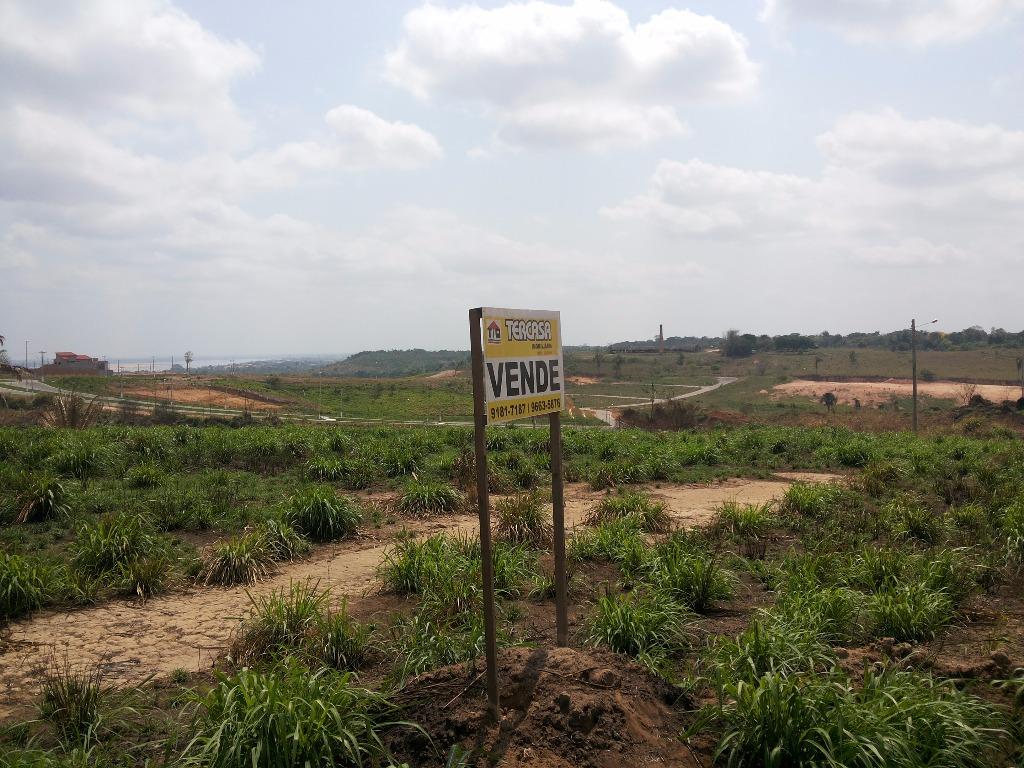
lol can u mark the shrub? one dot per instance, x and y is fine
(282, 541)
(620, 541)
(43, 498)
(289, 716)
(244, 560)
(144, 475)
(278, 624)
(144, 576)
(358, 473)
(22, 586)
(322, 515)
(427, 497)
(877, 569)
(639, 624)
(323, 469)
(650, 516)
(911, 612)
(835, 615)
(514, 565)
(71, 701)
(968, 518)
(766, 646)
(410, 563)
(105, 546)
(816, 500)
(747, 524)
(950, 571)
(82, 461)
(422, 642)
(300, 622)
(176, 510)
(341, 642)
(913, 521)
(522, 519)
(695, 580)
(897, 719)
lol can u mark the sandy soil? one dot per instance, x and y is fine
(875, 392)
(449, 374)
(583, 380)
(201, 396)
(191, 628)
(561, 708)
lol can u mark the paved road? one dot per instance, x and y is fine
(607, 415)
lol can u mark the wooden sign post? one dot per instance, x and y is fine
(518, 373)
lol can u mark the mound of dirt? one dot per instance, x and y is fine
(560, 707)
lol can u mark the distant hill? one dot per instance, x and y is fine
(398, 362)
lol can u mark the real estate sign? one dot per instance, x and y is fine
(523, 371)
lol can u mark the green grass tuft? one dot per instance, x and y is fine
(321, 515)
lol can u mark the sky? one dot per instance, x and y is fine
(249, 176)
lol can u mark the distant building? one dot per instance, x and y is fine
(73, 364)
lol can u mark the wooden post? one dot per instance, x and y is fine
(558, 539)
(483, 501)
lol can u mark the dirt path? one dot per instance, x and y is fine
(610, 415)
(189, 629)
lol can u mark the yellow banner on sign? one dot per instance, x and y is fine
(523, 371)
(521, 335)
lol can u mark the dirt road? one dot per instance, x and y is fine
(189, 629)
(610, 416)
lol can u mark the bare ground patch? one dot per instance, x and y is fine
(876, 392)
(205, 396)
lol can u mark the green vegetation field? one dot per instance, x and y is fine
(873, 621)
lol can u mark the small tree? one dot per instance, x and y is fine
(817, 362)
(598, 359)
(617, 365)
(853, 358)
(189, 357)
(829, 400)
(966, 391)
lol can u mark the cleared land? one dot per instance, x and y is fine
(199, 395)
(876, 392)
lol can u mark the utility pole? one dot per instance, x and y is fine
(913, 371)
(913, 368)
(41, 353)
(26, 355)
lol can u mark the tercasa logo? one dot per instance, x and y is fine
(528, 330)
(493, 333)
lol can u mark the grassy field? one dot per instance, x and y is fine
(911, 567)
(975, 365)
(602, 380)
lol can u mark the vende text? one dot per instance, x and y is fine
(518, 378)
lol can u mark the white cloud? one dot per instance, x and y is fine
(922, 153)
(146, 59)
(914, 251)
(699, 198)
(358, 140)
(576, 75)
(911, 22)
(893, 191)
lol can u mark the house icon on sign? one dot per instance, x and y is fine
(493, 333)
